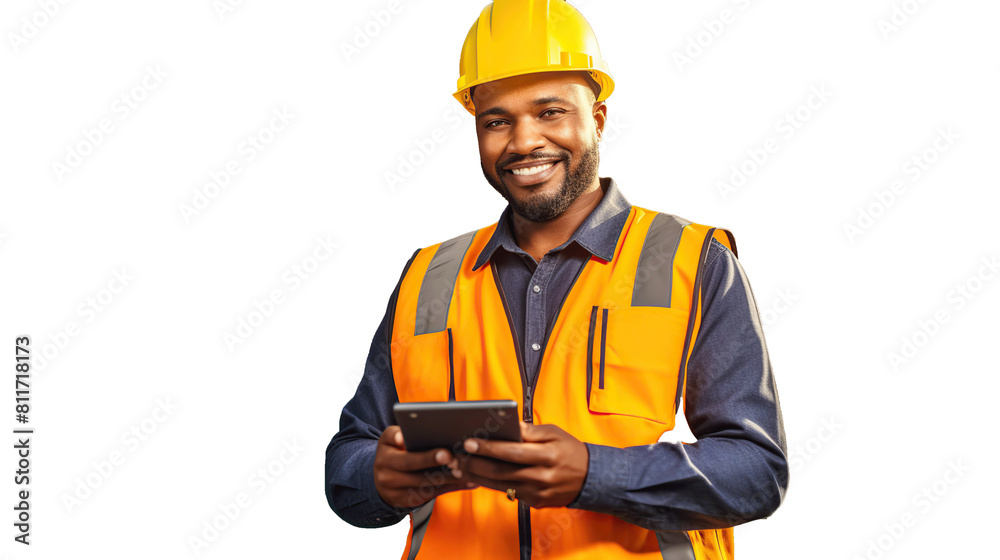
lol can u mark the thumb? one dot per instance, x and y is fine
(536, 432)
(394, 436)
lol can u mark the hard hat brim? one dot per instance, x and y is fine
(605, 83)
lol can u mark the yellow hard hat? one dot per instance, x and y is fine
(515, 37)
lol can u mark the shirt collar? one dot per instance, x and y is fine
(598, 233)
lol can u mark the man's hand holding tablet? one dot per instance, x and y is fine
(411, 456)
(402, 477)
(481, 444)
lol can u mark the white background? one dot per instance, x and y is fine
(866, 435)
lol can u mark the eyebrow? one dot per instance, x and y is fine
(535, 103)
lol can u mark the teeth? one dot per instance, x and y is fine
(532, 170)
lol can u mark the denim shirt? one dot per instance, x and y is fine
(736, 472)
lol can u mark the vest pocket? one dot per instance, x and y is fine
(423, 370)
(633, 361)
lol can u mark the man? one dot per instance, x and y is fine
(596, 316)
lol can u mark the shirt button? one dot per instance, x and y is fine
(537, 288)
(536, 347)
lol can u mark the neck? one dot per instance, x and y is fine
(536, 239)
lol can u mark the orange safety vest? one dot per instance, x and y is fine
(612, 373)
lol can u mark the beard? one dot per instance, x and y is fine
(539, 207)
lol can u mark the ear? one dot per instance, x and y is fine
(600, 117)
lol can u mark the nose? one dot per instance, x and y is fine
(526, 137)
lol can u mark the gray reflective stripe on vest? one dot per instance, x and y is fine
(674, 546)
(421, 517)
(655, 272)
(439, 283)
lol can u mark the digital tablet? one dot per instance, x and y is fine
(430, 425)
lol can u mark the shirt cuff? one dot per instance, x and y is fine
(608, 474)
(382, 513)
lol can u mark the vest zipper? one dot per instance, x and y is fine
(523, 511)
(526, 408)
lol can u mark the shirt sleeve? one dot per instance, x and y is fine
(737, 471)
(350, 456)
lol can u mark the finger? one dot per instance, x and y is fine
(457, 465)
(504, 471)
(401, 460)
(527, 493)
(514, 452)
(458, 462)
(416, 495)
(486, 482)
(429, 480)
(409, 461)
(540, 432)
(393, 437)
(459, 458)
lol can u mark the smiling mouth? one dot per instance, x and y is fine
(534, 170)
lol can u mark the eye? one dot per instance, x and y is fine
(491, 123)
(553, 111)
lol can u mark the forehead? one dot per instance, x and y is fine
(523, 91)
